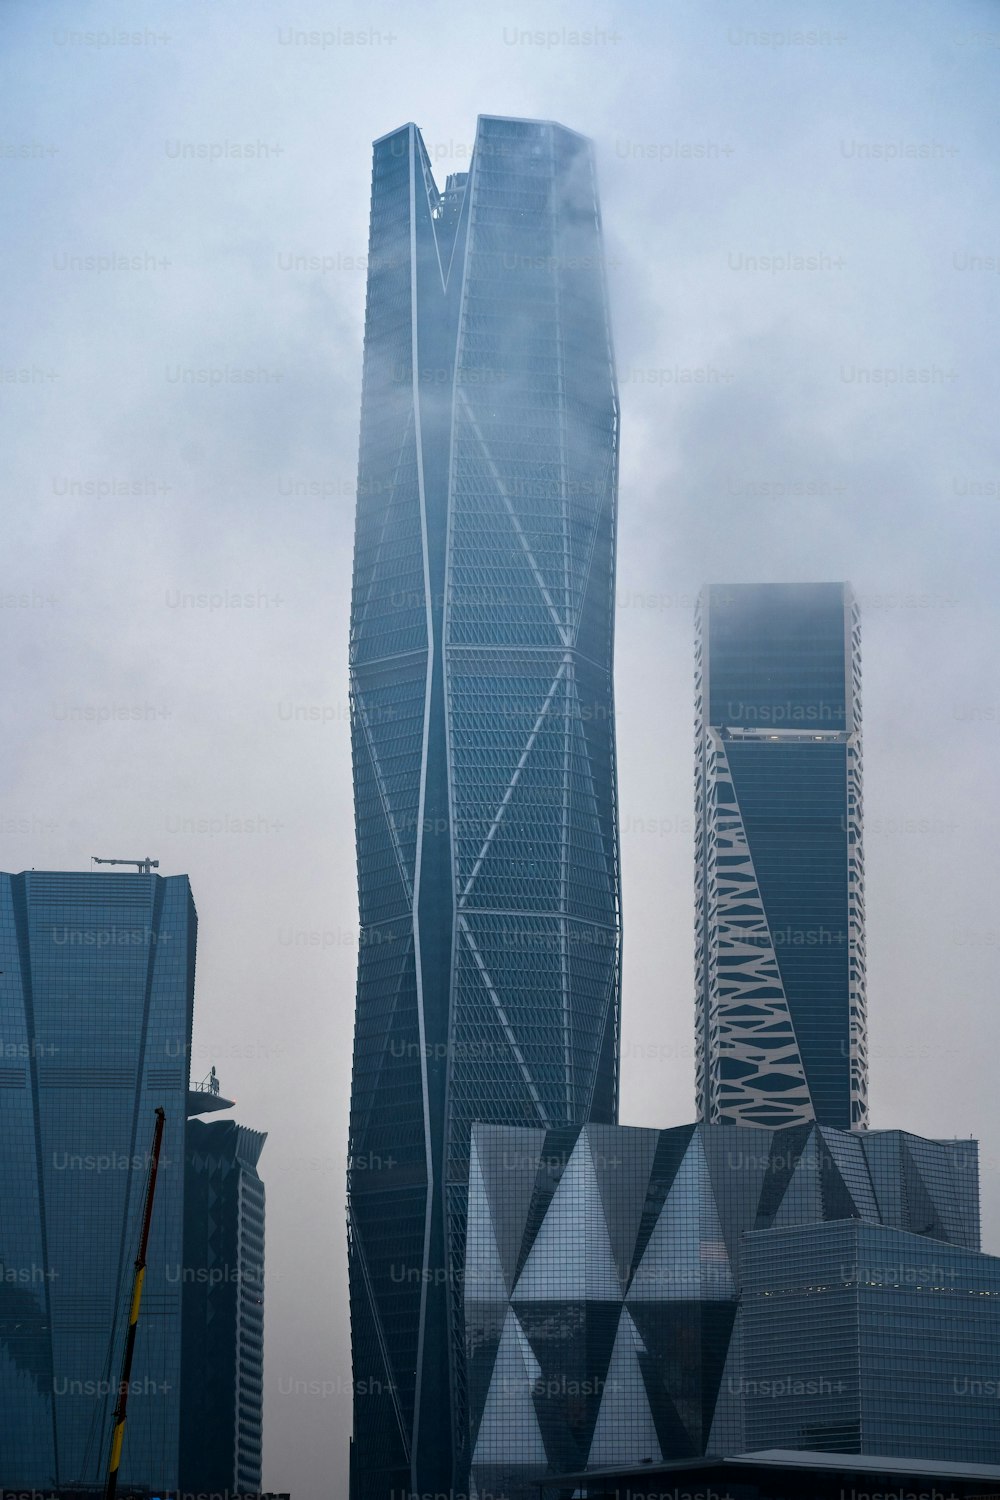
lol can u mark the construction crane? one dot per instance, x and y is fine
(139, 1276)
(143, 866)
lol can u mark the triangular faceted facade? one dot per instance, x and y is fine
(624, 1311)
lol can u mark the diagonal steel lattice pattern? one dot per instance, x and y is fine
(780, 942)
(644, 1296)
(483, 737)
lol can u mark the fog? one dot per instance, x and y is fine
(803, 248)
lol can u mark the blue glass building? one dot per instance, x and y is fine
(641, 1296)
(483, 737)
(780, 961)
(762, 1298)
(96, 1000)
(222, 1283)
(863, 1339)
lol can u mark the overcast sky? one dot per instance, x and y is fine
(770, 431)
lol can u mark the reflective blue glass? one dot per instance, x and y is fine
(859, 1338)
(483, 734)
(95, 1021)
(223, 1296)
(781, 1018)
(642, 1296)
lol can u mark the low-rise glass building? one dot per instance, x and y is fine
(859, 1338)
(638, 1296)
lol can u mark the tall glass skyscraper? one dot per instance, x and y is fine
(780, 968)
(483, 735)
(96, 996)
(223, 1308)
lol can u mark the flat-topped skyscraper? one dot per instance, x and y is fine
(96, 1007)
(96, 1000)
(780, 964)
(483, 735)
(223, 1302)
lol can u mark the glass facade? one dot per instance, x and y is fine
(613, 1316)
(859, 1338)
(483, 737)
(780, 963)
(222, 1283)
(96, 999)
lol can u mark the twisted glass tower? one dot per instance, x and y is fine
(483, 738)
(780, 966)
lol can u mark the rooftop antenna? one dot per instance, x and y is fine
(143, 866)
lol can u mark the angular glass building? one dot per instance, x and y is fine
(641, 1296)
(862, 1339)
(780, 948)
(222, 1285)
(483, 737)
(96, 999)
